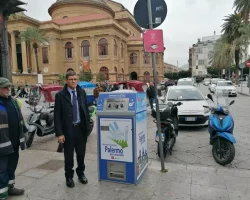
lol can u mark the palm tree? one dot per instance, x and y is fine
(34, 36)
(223, 55)
(245, 38)
(243, 7)
(231, 34)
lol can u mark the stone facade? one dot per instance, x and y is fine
(99, 34)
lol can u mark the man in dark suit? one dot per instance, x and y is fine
(72, 120)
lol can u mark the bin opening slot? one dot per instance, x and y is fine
(116, 170)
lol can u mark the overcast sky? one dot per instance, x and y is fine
(187, 20)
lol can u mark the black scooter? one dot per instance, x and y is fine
(169, 126)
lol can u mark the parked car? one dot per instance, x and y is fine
(185, 81)
(207, 81)
(191, 112)
(212, 85)
(226, 87)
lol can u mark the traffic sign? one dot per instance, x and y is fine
(159, 13)
(153, 41)
(242, 65)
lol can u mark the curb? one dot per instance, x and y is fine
(244, 94)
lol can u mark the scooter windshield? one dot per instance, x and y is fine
(222, 101)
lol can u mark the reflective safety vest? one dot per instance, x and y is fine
(5, 143)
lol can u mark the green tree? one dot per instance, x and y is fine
(223, 55)
(213, 71)
(231, 33)
(86, 76)
(62, 78)
(100, 77)
(34, 36)
(243, 7)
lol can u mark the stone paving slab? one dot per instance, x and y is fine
(188, 182)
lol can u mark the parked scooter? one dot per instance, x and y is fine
(169, 126)
(41, 123)
(220, 128)
(92, 113)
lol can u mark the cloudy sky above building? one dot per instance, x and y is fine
(187, 20)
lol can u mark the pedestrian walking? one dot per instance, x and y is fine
(12, 129)
(72, 121)
(151, 94)
(96, 91)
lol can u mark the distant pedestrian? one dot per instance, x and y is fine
(151, 95)
(12, 129)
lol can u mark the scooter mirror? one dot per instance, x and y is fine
(179, 104)
(209, 96)
(231, 103)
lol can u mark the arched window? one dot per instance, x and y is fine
(115, 48)
(146, 58)
(105, 71)
(133, 58)
(146, 77)
(103, 47)
(122, 50)
(85, 48)
(133, 76)
(69, 50)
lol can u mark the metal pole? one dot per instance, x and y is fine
(155, 88)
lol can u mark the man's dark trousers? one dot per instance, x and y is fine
(76, 142)
(8, 165)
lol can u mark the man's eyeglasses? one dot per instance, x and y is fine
(72, 79)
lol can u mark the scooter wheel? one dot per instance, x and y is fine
(227, 151)
(29, 139)
(164, 150)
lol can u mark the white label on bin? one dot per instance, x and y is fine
(116, 139)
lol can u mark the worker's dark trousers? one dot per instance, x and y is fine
(8, 165)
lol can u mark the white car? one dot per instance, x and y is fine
(207, 81)
(214, 83)
(191, 112)
(225, 87)
(185, 81)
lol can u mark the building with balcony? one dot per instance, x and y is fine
(101, 35)
(200, 55)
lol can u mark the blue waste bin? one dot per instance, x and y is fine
(122, 136)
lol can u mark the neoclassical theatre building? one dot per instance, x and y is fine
(99, 34)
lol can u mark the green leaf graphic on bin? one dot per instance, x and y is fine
(120, 137)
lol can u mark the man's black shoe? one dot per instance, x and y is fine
(15, 192)
(70, 183)
(83, 179)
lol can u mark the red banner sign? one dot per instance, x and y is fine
(153, 41)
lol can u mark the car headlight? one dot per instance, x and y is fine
(206, 110)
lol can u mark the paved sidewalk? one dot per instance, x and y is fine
(244, 90)
(187, 182)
